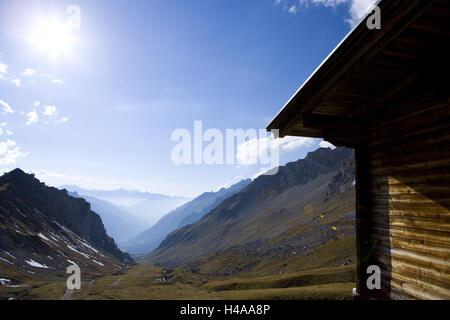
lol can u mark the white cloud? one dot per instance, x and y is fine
(356, 8)
(10, 152)
(6, 107)
(50, 114)
(32, 116)
(16, 82)
(50, 111)
(328, 3)
(3, 124)
(7, 131)
(61, 81)
(28, 72)
(235, 180)
(3, 67)
(326, 144)
(62, 120)
(45, 173)
(250, 151)
(57, 179)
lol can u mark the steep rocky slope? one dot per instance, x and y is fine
(43, 230)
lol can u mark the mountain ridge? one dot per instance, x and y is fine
(145, 206)
(118, 192)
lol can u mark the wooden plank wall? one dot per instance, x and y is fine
(409, 164)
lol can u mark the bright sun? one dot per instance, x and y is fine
(53, 37)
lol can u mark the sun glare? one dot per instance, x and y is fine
(52, 36)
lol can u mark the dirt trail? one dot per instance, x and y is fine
(68, 295)
(117, 282)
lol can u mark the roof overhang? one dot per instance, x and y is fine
(368, 70)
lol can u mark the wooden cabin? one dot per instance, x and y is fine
(385, 93)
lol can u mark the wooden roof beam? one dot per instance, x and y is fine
(379, 102)
(332, 122)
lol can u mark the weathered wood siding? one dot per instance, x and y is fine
(409, 190)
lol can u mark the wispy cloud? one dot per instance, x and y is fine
(50, 111)
(6, 131)
(57, 179)
(326, 144)
(235, 180)
(356, 8)
(10, 152)
(3, 67)
(62, 120)
(293, 9)
(250, 151)
(48, 115)
(28, 72)
(58, 81)
(6, 107)
(17, 82)
(32, 116)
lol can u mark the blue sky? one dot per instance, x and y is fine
(100, 113)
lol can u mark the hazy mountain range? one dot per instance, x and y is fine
(188, 213)
(141, 209)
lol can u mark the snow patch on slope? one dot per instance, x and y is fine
(35, 264)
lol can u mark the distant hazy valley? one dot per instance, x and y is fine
(126, 213)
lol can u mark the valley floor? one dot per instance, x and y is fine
(149, 282)
(329, 273)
